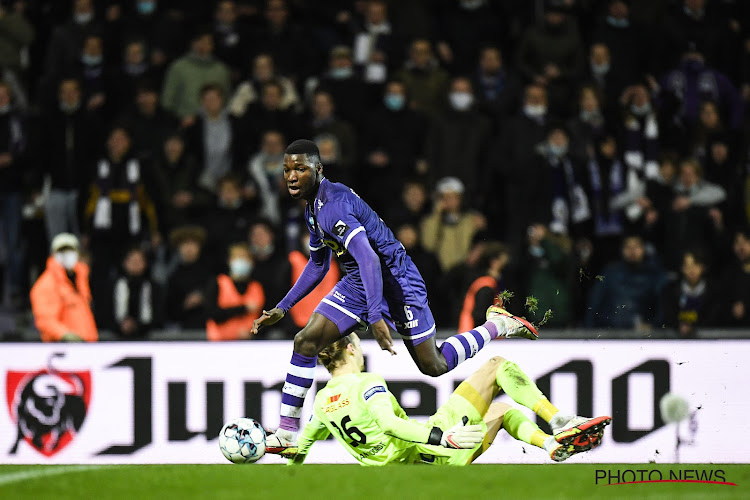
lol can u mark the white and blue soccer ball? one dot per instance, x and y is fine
(242, 441)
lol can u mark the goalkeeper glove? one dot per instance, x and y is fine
(460, 436)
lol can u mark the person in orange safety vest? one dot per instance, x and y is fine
(481, 293)
(61, 297)
(234, 300)
(302, 311)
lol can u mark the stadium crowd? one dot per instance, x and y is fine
(592, 154)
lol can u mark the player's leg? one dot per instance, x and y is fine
(582, 433)
(331, 320)
(417, 327)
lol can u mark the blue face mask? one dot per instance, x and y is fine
(146, 8)
(341, 73)
(618, 23)
(90, 60)
(394, 102)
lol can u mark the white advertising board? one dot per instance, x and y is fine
(164, 402)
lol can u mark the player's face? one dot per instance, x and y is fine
(359, 357)
(300, 176)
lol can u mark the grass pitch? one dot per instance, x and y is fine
(335, 482)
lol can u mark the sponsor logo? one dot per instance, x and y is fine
(340, 228)
(320, 204)
(372, 391)
(334, 403)
(340, 296)
(48, 406)
(332, 399)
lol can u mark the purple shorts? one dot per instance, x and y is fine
(346, 307)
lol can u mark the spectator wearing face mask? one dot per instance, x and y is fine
(95, 76)
(343, 81)
(458, 138)
(589, 123)
(601, 76)
(136, 298)
(513, 157)
(234, 300)
(61, 298)
(393, 146)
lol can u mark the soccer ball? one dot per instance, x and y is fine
(242, 441)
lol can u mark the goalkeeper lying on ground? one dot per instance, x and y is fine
(366, 418)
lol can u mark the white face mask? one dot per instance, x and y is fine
(461, 101)
(83, 18)
(534, 110)
(67, 258)
(240, 267)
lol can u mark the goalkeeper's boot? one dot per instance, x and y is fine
(281, 443)
(509, 325)
(582, 433)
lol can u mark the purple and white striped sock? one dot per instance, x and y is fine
(299, 379)
(463, 346)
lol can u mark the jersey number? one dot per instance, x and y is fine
(357, 436)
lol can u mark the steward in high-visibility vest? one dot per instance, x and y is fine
(481, 293)
(235, 300)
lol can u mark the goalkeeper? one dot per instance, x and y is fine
(368, 421)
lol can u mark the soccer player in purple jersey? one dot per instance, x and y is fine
(381, 286)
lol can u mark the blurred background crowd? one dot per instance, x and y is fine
(592, 154)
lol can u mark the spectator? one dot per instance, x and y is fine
(693, 82)
(265, 172)
(552, 55)
(234, 300)
(656, 203)
(228, 221)
(119, 212)
(694, 219)
(497, 89)
(67, 141)
(298, 259)
(161, 27)
(214, 139)
(64, 49)
(61, 298)
(349, 92)
(629, 293)
(600, 75)
(545, 267)
(13, 143)
(375, 44)
(186, 289)
(393, 146)
(149, 122)
(426, 82)
(285, 41)
(189, 74)
(459, 137)
(272, 268)
(466, 25)
(249, 91)
(450, 229)
(130, 76)
(95, 76)
(691, 301)
(589, 124)
(326, 122)
(514, 158)
(412, 207)
(231, 42)
(482, 292)
(736, 281)
(640, 136)
(710, 128)
(267, 114)
(16, 34)
(570, 209)
(694, 20)
(174, 185)
(136, 299)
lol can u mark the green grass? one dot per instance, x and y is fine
(334, 482)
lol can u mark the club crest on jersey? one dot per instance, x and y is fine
(320, 205)
(340, 228)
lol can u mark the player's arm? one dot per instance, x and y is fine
(315, 270)
(315, 430)
(369, 269)
(378, 403)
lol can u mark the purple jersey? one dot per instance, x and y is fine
(336, 216)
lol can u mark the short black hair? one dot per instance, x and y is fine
(303, 147)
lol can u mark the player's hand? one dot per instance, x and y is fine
(268, 318)
(383, 336)
(462, 436)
